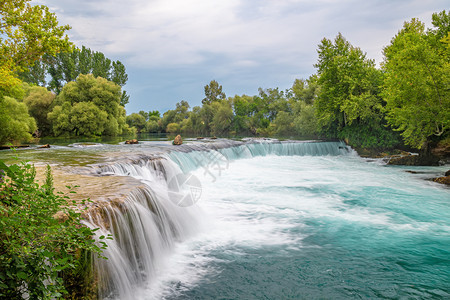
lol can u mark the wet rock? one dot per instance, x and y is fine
(414, 160)
(177, 140)
(413, 172)
(133, 141)
(443, 180)
(45, 146)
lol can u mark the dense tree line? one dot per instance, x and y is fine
(65, 67)
(405, 101)
(84, 93)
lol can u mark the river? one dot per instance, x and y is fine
(261, 220)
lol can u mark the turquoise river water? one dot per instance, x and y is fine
(279, 221)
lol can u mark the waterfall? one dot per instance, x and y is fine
(192, 157)
(144, 227)
(155, 216)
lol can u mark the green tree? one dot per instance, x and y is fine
(35, 75)
(65, 67)
(101, 65)
(152, 126)
(16, 123)
(284, 123)
(252, 112)
(154, 115)
(349, 95)
(305, 120)
(177, 115)
(39, 101)
(305, 90)
(137, 121)
(144, 114)
(243, 111)
(197, 124)
(59, 117)
(87, 119)
(99, 92)
(272, 102)
(173, 128)
(213, 92)
(416, 85)
(349, 84)
(27, 33)
(222, 119)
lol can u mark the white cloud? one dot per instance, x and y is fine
(260, 40)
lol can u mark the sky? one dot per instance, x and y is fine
(173, 48)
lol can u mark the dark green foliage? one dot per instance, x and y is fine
(66, 66)
(89, 106)
(222, 119)
(368, 136)
(349, 104)
(16, 125)
(39, 101)
(38, 251)
(137, 121)
(417, 80)
(213, 92)
(154, 115)
(175, 116)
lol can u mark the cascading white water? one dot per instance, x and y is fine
(148, 223)
(144, 227)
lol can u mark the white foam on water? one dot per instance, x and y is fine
(265, 201)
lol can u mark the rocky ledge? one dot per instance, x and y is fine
(414, 160)
(444, 179)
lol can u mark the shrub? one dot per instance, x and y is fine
(38, 251)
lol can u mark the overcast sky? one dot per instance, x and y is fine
(173, 48)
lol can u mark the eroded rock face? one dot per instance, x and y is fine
(442, 150)
(177, 140)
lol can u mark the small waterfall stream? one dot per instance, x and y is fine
(147, 224)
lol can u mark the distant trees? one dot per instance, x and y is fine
(137, 121)
(145, 121)
(222, 118)
(304, 93)
(270, 112)
(417, 81)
